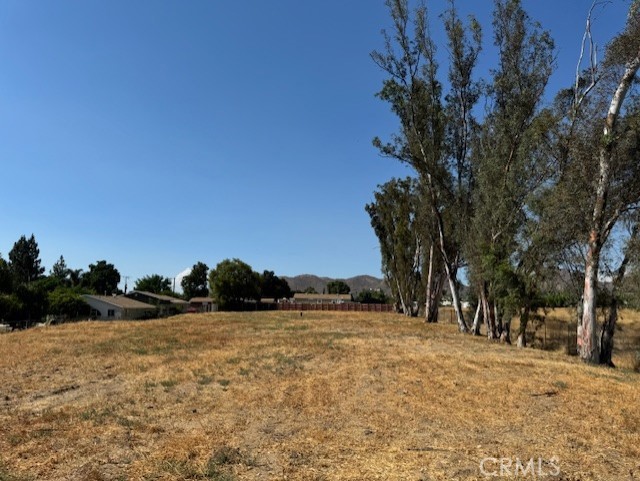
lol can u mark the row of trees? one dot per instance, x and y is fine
(234, 283)
(338, 286)
(516, 190)
(27, 294)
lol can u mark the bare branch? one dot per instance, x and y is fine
(580, 93)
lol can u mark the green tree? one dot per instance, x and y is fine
(65, 301)
(102, 278)
(597, 187)
(508, 167)
(611, 130)
(394, 216)
(274, 287)
(25, 260)
(435, 128)
(338, 287)
(194, 284)
(75, 277)
(233, 282)
(154, 283)
(60, 271)
(6, 284)
(33, 298)
(11, 307)
(372, 297)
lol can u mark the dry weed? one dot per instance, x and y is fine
(329, 396)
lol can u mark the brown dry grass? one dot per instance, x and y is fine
(327, 396)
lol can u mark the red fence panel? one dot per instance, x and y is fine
(344, 307)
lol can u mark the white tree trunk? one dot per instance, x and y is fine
(455, 298)
(477, 319)
(405, 311)
(587, 338)
(427, 307)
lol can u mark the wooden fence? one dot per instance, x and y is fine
(344, 307)
(553, 335)
(541, 333)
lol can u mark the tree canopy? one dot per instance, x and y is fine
(394, 217)
(194, 284)
(60, 271)
(274, 287)
(517, 192)
(233, 282)
(338, 287)
(154, 283)
(25, 260)
(102, 278)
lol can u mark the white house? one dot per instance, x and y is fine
(167, 305)
(111, 308)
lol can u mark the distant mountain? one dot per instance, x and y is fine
(357, 283)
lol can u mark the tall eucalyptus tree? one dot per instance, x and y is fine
(394, 218)
(509, 166)
(435, 128)
(614, 148)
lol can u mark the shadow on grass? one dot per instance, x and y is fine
(6, 475)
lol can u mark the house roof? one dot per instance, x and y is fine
(161, 297)
(120, 301)
(321, 297)
(200, 300)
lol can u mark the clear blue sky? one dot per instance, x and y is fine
(155, 134)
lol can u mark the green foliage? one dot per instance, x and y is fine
(34, 300)
(60, 271)
(194, 284)
(436, 128)
(75, 277)
(338, 287)
(25, 260)
(273, 287)
(102, 278)
(372, 297)
(26, 301)
(64, 301)
(395, 219)
(553, 300)
(10, 307)
(233, 282)
(154, 283)
(505, 248)
(6, 284)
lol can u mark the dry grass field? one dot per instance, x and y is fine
(325, 396)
